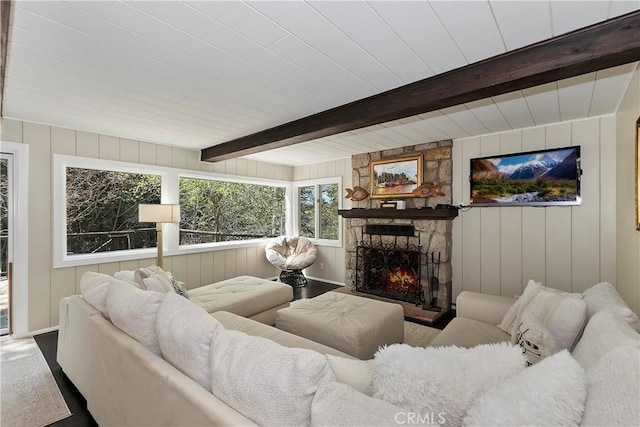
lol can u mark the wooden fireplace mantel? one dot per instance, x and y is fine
(424, 213)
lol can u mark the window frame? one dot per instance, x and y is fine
(296, 218)
(170, 189)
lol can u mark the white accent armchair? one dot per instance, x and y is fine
(291, 254)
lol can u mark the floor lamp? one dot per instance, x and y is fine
(159, 214)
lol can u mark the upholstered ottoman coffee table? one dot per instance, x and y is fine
(247, 296)
(351, 324)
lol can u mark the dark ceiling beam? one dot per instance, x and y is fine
(5, 18)
(603, 45)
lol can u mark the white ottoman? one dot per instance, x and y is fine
(351, 324)
(246, 296)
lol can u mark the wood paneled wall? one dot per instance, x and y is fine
(497, 249)
(330, 265)
(628, 238)
(48, 285)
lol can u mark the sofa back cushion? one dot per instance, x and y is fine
(268, 383)
(94, 288)
(606, 330)
(185, 332)
(134, 312)
(614, 389)
(604, 295)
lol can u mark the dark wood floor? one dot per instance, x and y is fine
(75, 401)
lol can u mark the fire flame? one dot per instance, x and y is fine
(402, 280)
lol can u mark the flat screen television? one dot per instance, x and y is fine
(535, 178)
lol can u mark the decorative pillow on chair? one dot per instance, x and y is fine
(564, 314)
(534, 338)
(551, 393)
(442, 379)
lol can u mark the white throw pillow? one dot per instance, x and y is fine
(143, 273)
(268, 383)
(613, 397)
(337, 404)
(94, 288)
(134, 312)
(353, 372)
(604, 295)
(185, 332)
(535, 340)
(606, 330)
(159, 282)
(563, 313)
(128, 276)
(551, 393)
(442, 379)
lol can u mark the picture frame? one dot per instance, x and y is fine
(395, 177)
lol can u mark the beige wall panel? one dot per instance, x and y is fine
(180, 158)
(219, 266)
(164, 155)
(109, 268)
(533, 139)
(129, 151)
(193, 160)
(231, 264)
(205, 166)
(63, 284)
(10, 130)
(261, 169)
(241, 262)
(63, 141)
(558, 135)
(39, 139)
(534, 261)
(607, 201)
(179, 269)
(147, 153)
(627, 237)
(206, 268)
(167, 264)
(194, 278)
(511, 281)
(131, 265)
(585, 219)
(109, 147)
(331, 168)
(241, 167)
(87, 145)
(230, 166)
(558, 253)
(252, 168)
(471, 225)
(252, 261)
(219, 167)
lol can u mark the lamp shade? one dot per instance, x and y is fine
(159, 213)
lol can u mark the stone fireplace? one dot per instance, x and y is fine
(399, 265)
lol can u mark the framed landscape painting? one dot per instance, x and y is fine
(395, 177)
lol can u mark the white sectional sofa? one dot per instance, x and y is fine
(146, 358)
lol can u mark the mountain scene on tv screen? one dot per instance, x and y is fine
(529, 178)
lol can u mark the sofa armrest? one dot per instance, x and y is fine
(485, 308)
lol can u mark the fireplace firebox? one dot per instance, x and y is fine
(389, 266)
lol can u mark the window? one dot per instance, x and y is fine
(102, 210)
(318, 205)
(222, 211)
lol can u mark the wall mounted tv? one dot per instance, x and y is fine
(535, 178)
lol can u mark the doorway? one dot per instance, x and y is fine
(7, 209)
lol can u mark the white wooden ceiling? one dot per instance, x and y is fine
(195, 74)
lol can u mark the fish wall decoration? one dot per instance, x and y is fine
(429, 189)
(356, 193)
